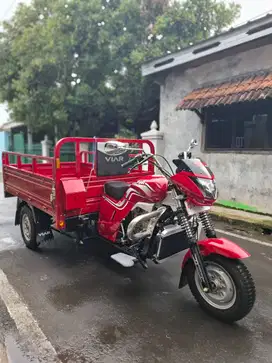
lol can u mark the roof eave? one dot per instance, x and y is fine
(231, 39)
(10, 125)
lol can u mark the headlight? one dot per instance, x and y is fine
(208, 187)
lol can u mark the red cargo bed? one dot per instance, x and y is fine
(65, 189)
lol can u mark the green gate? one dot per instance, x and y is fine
(18, 143)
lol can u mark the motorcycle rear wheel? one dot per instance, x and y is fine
(234, 290)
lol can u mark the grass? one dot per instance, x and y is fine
(237, 205)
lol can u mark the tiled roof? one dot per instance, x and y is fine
(248, 88)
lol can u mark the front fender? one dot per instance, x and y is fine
(218, 246)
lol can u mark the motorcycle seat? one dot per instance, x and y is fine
(116, 189)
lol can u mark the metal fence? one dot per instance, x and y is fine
(36, 149)
(68, 152)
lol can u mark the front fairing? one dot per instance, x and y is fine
(196, 180)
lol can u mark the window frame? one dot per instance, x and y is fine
(260, 107)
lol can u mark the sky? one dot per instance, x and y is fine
(253, 8)
(250, 9)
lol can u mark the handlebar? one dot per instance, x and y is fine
(139, 159)
(129, 162)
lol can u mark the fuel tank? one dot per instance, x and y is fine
(153, 188)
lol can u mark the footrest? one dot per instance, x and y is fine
(124, 259)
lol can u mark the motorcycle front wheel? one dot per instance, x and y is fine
(233, 294)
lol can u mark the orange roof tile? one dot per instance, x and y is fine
(247, 88)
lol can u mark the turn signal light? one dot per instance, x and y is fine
(61, 224)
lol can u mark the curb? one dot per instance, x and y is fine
(257, 225)
(3, 354)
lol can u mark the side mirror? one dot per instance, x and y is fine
(115, 147)
(193, 143)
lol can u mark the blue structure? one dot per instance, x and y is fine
(4, 134)
(3, 144)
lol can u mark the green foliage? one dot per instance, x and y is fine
(125, 133)
(78, 62)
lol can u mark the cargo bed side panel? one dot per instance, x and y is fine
(32, 188)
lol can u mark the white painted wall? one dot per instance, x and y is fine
(245, 177)
(4, 116)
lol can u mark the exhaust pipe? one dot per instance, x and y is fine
(143, 218)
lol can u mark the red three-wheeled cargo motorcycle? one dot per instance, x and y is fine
(111, 192)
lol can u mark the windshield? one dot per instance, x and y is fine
(195, 166)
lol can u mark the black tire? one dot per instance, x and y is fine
(30, 238)
(245, 294)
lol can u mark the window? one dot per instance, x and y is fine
(245, 126)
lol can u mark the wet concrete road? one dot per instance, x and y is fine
(92, 310)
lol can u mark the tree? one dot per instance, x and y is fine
(78, 62)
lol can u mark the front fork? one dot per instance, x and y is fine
(206, 224)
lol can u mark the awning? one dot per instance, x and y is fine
(240, 89)
(10, 125)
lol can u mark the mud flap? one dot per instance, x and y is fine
(44, 236)
(183, 280)
(183, 275)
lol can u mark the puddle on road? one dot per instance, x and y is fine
(8, 243)
(15, 354)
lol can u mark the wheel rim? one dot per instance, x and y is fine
(26, 227)
(223, 295)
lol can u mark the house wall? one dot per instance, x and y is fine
(243, 176)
